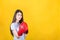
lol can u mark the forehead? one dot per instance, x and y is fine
(19, 13)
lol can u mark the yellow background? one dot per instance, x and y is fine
(42, 16)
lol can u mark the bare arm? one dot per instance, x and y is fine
(16, 33)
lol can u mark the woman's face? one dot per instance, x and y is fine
(18, 16)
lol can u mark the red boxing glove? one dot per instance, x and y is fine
(23, 28)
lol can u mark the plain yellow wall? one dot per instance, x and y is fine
(42, 17)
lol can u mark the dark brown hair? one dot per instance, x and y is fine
(14, 18)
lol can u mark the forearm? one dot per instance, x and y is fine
(16, 34)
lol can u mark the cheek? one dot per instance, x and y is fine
(17, 17)
(20, 17)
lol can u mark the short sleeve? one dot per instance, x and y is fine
(12, 26)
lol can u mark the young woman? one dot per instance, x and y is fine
(17, 20)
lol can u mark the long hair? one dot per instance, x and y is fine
(14, 19)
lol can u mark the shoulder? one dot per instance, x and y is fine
(12, 26)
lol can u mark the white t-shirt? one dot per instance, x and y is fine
(16, 27)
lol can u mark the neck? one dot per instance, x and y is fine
(17, 21)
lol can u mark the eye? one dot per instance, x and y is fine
(19, 15)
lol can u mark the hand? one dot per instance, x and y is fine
(18, 37)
